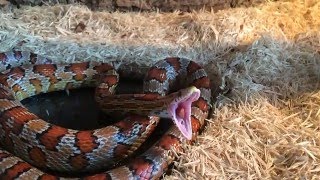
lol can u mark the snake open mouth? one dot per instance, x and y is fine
(180, 110)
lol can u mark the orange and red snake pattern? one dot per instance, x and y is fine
(31, 148)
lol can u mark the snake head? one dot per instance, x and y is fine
(180, 110)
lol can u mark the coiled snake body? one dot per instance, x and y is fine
(29, 144)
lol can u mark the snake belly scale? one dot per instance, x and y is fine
(31, 147)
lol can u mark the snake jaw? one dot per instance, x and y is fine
(180, 110)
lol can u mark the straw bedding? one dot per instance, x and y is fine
(264, 62)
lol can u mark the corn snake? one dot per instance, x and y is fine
(89, 150)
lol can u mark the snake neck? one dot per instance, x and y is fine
(141, 104)
(151, 104)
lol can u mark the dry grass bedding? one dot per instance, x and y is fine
(264, 62)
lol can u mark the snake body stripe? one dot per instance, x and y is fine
(46, 146)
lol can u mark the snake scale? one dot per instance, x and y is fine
(31, 148)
